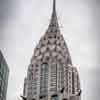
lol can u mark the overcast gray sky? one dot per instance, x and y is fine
(23, 22)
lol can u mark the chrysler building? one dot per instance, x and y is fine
(51, 74)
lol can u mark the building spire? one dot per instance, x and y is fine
(53, 26)
(54, 5)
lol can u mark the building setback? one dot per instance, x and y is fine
(51, 74)
(4, 73)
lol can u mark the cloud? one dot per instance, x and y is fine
(24, 22)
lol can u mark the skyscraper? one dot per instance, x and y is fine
(4, 73)
(51, 75)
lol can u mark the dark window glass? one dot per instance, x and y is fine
(54, 98)
(44, 79)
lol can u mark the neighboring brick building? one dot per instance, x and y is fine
(4, 73)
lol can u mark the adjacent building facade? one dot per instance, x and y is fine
(51, 74)
(4, 73)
